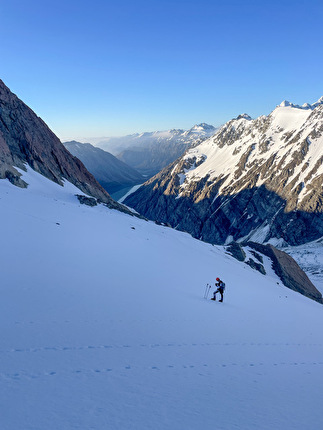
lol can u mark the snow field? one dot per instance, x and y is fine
(104, 326)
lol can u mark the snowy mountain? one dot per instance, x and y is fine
(258, 180)
(150, 152)
(106, 318)
(104, 325)
(26, 140)
(111, 173)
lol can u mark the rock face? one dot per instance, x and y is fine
(110, 172)
(288, 270)
(236, 250)
(285, 267)
(258, 180)
(26, 139)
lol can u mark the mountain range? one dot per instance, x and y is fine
(150, 152)
(258, 180)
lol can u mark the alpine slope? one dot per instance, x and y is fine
(105, 326)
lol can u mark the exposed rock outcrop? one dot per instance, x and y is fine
(285, 267)
(288, 271)
(88, 201)
(236, 250)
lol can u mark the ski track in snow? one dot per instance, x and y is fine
(164, 367)
(154, 345)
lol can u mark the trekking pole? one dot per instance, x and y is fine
(207, 294)
(206, 290)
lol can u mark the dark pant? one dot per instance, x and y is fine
(219, 290)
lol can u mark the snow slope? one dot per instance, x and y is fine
(104, 326)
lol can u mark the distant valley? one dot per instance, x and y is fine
(113, 174)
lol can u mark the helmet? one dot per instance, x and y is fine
(217, 279)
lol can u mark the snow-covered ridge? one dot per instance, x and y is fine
(242, 144)
(312, 106)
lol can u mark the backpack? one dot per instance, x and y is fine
(222, 285)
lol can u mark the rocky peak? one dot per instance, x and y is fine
(244, 116)
(285, 103)
(319, 102)
(203, 126)
(312, 106)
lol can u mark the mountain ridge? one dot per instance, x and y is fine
(255, 180)
(112, 173)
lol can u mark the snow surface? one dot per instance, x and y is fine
(104, 326)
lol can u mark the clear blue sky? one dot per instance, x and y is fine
(107, 68)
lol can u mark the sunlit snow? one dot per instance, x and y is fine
(104, 326)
